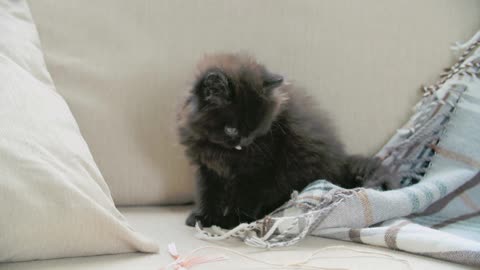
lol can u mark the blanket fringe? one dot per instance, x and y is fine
(431, 116)
(264, 233)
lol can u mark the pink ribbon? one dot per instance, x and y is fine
(186, 262)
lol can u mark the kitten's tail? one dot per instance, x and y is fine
(370, 173)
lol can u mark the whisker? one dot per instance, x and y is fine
(262, 150)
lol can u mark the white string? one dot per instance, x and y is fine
(381, 254)
(302, 264)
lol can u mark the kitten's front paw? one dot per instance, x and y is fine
(225, 222)
(194, 216)
(191, 219)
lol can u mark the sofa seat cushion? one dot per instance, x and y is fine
(166, 224)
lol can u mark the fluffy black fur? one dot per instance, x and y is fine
(285, 141)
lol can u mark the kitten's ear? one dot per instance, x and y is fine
(215, 87)
(272, 81)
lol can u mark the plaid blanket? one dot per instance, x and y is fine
(436, 213)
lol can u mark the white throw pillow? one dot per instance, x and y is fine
(54, 201)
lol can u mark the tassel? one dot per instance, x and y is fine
(172, 249)
(187, 262)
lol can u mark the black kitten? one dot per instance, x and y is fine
(256, 139)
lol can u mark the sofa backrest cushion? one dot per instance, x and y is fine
(122, 66)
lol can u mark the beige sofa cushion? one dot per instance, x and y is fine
(122, 66)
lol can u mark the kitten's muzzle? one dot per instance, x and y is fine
(240, 143)
(245, 141)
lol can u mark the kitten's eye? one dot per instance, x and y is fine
(231, 131)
